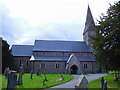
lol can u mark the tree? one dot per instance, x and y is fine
(7, 58)
(106, 42)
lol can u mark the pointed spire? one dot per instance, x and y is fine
(89, 20)
(89, 29)
(89, 17)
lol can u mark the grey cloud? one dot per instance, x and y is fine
(58, 31)
(68, 31)
(13, 30)
(55, 31)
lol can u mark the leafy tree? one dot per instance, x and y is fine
(7, 58)
(106, 42)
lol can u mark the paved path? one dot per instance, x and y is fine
(91, 77)
(72, 83)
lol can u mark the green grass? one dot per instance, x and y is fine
(36, 82)
(0, 81)
(110, 82)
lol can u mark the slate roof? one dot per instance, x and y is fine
(22, 50)
(86, 58)
(64, 46)
(48, 58)
(60, 58)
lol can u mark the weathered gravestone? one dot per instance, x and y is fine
(6, 72)
(45, 78)
(44, 81)
(82, 82)
(38, 72)
(31, 74)
(102, 82)
(105, 85)
(12, 80)
(62, 76)
(59, 79)
(21, 71)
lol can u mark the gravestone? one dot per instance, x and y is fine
(12, 80)
(22, 69)
(44, 81)
(6, 72)
(38, 72)
(45, 78)
(21, 72)
(62, 76)
(82, 82)
(102, 82)
(105, 85)
(31, 74)
(59, 79)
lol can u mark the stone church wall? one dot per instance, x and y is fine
(50, 67)
(18, 61)
(89, 67)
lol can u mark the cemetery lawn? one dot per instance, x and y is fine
(37, 81)
(110, 82)
(0, 81)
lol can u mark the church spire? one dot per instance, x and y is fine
(89, 29)
(89, 17)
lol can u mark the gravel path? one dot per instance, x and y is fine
(71, 84)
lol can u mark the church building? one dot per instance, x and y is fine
(54, 56)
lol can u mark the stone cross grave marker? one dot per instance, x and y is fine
(45, 77)
(31, 74)
(38, 72)
(62, 76)
(6, 72)
(102, 82)
(21, 71)
(12, 80)
(105, 85)
(44, 81)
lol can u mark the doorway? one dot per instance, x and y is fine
(74, 69)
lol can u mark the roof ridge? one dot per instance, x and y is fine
(22, 45)
(59, 40)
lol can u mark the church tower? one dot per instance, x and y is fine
(89, 29)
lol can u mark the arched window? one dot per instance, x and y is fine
(57, 65)
(20, 63)
(44, 53)
(27, 63)
(56, 53)
(85, 65)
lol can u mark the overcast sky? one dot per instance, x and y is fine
(23, 21)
